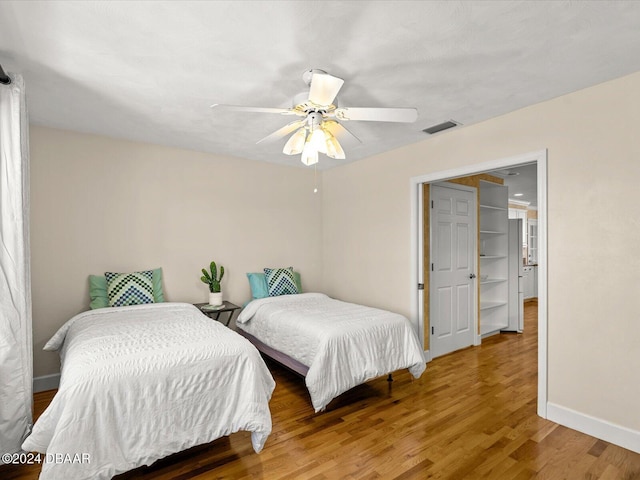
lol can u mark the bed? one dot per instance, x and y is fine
(335, 345)
(142, 382)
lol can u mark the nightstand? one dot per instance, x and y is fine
(227, 307)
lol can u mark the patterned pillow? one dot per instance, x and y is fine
(280, 281)
(129, 288)
(99, 298)
(258, 284)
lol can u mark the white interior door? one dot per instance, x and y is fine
(453, 287)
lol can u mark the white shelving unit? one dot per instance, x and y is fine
(494, 248)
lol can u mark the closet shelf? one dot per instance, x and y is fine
(493, 280)
(489, 305)
(491, 207)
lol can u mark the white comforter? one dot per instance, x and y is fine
(140, 383)
(343, 344)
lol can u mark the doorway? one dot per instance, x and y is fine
(419, 295)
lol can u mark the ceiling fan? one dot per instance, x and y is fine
(319, 130)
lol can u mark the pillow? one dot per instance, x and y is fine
(158, 294)
(100, 298)
(280, 281)
(98, 292)
(298, 280)
(258, 284)
(134, 288)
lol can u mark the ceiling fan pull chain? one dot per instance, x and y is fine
(315, 178)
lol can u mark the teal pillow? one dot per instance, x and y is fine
(280, 281)
(98, 290)
(124, 289)
(258, 284)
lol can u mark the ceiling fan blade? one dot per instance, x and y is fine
(240, 108)
(324, 88)
(281, 132)
(406, 115)
(343, 135)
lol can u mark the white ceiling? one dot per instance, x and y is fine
(521, 180)
(148, 70)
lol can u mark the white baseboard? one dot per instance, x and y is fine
(596, 427)
(46, 382)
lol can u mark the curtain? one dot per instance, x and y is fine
(16, 358)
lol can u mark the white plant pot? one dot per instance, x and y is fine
(215, 298)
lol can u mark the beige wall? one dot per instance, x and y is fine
(99, 204)
(594, 159)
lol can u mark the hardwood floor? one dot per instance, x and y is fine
(471, 415)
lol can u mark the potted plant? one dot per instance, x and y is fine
(211, 278)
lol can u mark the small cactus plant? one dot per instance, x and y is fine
(211, 278)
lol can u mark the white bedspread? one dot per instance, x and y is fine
(140, 383)
(343, 344)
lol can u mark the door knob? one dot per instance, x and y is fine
(472, 276)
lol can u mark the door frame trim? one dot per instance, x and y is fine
(541, 159)
(477, 339)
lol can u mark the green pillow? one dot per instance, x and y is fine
(100, 298)
(98, 292)
(298, 280)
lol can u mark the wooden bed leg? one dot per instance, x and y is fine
(390, 378)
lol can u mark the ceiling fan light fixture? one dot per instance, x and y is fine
(334, 149)
(309, 154)
(295, 144)
(318, 140)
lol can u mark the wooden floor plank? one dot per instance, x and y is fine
(471, 415)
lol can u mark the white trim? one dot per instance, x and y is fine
(543, 293)
(420, 325)
(596, 427)
(416, 210)
(46, 382)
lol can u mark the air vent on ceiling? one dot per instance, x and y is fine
(505, 173)
(440, 127)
